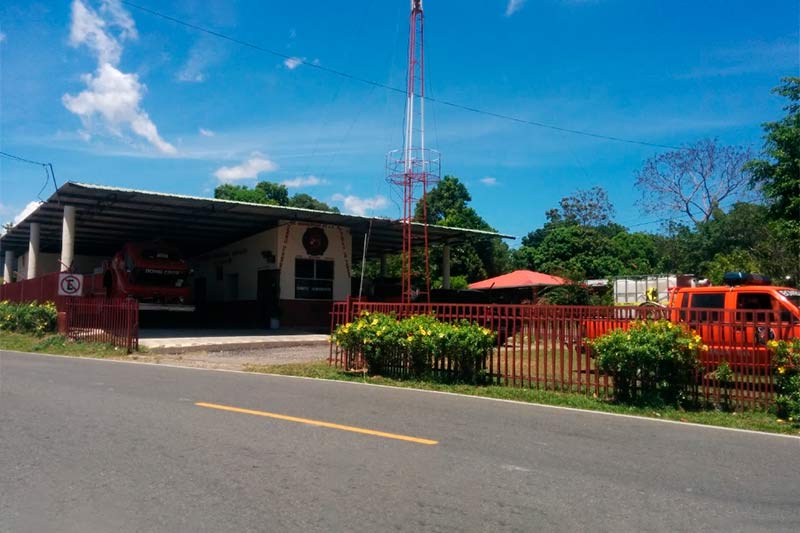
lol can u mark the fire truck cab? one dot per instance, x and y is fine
(154, 273)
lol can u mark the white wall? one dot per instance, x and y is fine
(339, 250)
(82, 264)
(243, 257)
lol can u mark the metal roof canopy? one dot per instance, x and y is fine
(108, 217)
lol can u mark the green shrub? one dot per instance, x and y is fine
(466, 345)
(33, 318)
(786, 367)
(416, 344)
(652, 363)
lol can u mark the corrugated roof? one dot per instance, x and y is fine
(107, 217)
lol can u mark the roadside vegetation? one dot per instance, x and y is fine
(31, 327)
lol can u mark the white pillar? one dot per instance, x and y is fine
(33, 250)
(68, 238)
(8, 267)
(446, 266)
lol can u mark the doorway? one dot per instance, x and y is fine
(267, 296)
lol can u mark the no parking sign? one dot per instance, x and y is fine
(70, 284)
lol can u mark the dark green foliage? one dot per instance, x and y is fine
(475, 259)
(786, 367)
(33, 318)
(269, 193)
(778, 173)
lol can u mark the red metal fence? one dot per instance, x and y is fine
(97, 319)
(110, 321)
(545, 346)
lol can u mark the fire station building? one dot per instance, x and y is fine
(249, 262)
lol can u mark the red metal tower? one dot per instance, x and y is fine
(414, 168)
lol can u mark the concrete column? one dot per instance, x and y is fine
(33, 250)
(8, 267)
(446, 266)
(68, 238)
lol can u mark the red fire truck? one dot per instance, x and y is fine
(155, 273)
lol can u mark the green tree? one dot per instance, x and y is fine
(266, 192)
(274, 193)
(477, 258)
(239, 193)
(307, 201)
(778, 172)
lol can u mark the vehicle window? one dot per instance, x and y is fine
(704, 304)
(793, 296)
(754, 307)
(753, 301)
(684, 304)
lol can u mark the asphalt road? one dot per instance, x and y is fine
(91, 445)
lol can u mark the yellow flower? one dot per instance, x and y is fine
(781, 370)
(704, 348)
(374, 321)
(410, 338)
(379, 333)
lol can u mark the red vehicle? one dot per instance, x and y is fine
(154, 273)
(735, 320)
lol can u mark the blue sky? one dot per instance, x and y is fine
(112, 95)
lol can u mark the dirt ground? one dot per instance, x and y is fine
(237, 360)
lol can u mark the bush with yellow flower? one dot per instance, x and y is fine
(28, 317)
(786, 369)
(416, 344)
(652, 362)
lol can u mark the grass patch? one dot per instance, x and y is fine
(56, 344)
(753, 420)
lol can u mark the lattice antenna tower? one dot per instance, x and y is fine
(415, 168)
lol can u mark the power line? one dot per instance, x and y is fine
(49, 172)
(374, 83)
(18, 158)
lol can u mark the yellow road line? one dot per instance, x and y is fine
(319, 423)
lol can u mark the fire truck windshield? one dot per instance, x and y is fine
(160, 254)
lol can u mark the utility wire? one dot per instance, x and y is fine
(359, 79)
(48, 171)
(12, 156)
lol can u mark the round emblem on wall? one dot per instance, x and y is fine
(315, 241)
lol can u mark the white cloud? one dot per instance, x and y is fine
(27, 210)
(120, 18)
(514, 6)
(206, 133)
(300, 181)
(360, 206)
(247, 170)
(293, 62)
(115, 96)
(111, 94)
(2, 37)
(490, 181)
(89, 29)
(203, 54)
